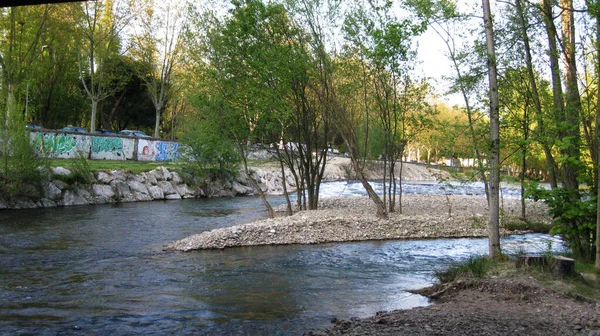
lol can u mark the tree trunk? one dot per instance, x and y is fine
(94, 113)
(572, 100)
(494, 204)
(157, 121)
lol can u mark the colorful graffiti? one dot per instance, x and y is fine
(63, 145)
(60, 145)
(167, 151)
(150, 150)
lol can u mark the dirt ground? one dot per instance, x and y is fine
(505, 305)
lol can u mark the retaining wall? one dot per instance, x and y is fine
(66, 145)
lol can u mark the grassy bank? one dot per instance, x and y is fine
(587, 283)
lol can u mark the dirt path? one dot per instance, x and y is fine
(507, 305)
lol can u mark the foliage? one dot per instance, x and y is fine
(20, 165)
(574, 218)
(475, 267)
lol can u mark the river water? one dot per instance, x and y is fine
(100, 270)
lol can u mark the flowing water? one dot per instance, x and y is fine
(100, 270)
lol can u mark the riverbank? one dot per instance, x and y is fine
(506, 304)
(64, 187)
(342, 219)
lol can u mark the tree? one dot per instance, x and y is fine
(100, 24)
(494, 200)
(158, 46)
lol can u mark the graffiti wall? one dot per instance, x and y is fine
(157, 150)
(68, 146)
(61, 145)
(112, 148)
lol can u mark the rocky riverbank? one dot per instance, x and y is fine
(59, 188)
(353, 219)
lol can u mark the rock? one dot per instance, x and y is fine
(60, 171)
(183, 190)
(138, 187)
(141, 197)
(62, 185)
(46, 203)
(104, 177)
(156, 175)
(173, 197)
(51, 191)
(156, 193)
(104, 193)
(166, 174)
(167, 188)
(149, 178)
(3, 204)
(23, 203)
(119, 175)
(176, 178)
(29, 190)
(123, 192)
(239, 189)
(71, 197)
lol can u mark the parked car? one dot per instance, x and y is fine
(134, 133)
(74, 129)
(32, 126)
(103, 131)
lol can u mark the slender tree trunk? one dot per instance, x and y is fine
(572, 100)
(157, 121)
(94, 114)
(494, 204)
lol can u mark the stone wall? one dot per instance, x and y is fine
(68, 145)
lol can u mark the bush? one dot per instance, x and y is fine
(20, 163)
(574, 217)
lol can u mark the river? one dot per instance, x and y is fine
(95, 270)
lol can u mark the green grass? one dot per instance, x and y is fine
(475, 267)
(135, 167)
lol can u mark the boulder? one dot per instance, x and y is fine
(60, 171)
(156, 192)
(46, 203)
(103, 193)
(123, 192)
(3, 204)
(23, 203)
(141, 197)
(71, 197)
(156, 174)
(166, 174)
(173, 197)
(119, 175)
(104, 177)
(51, 191)
(138, 187)
(240, 189)
(167, 188)
(149, 178)
(176, 178)
(183, 190)
(62, 185)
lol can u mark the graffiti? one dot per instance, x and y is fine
(54, 143)
(61, 145)
(167, 151)
(114, 145)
